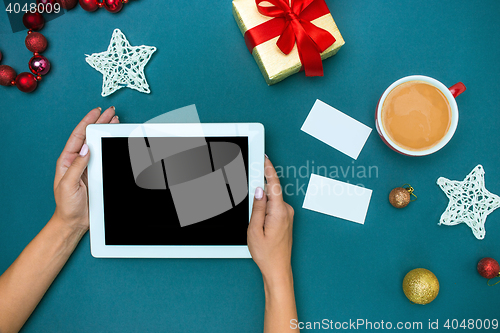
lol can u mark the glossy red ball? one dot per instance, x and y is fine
(7, 75)
(52, 2)
(26, 82)
(68, 4)
(39, 65)
(488, 268)
(34, 21)
(89, 5)
(45, 2)
(113, 6)
(36, 42)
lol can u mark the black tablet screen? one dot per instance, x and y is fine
(175, 191)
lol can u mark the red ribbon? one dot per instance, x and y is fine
(293, 24)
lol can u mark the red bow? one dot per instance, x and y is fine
(293, 24)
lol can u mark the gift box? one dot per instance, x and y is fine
(286, 37)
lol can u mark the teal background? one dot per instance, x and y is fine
(342, 270)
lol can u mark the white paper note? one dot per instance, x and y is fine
(336, 129)
(336, 198)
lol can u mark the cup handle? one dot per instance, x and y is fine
(457, 89)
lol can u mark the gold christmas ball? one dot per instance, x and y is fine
(421, 286)
(399, 197)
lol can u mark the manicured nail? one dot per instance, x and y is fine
(84, 150)
(113, 108)
(266, 156)
(115, 117)
(99, 108)
(259, 193)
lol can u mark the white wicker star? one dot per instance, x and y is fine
(470, 202)
(122, 65)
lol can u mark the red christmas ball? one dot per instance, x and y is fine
(113, 6)
(89, 5)
(39, 65)
(7, 75)
(36, 42)
(33, 21)
(488, 268)
(26, 82)
(45, 3)
(68, 4)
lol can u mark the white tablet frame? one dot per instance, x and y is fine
(98, 248)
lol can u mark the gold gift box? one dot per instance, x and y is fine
(274, 64)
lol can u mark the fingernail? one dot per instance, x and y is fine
(266, 156)
(113, 108)
(259, 193)
(84, 150)
(100, 109)
(115, 117)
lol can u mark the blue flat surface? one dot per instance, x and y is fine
(343, 271)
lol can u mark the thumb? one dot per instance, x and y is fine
(259, 209)
(75, 171)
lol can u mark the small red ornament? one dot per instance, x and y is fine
(113, 6)
(26, 82)
(488, 268)
(68, 4)
(33, 21)
(7, 75)
(39, 65)
(36, 42)
(46, 2)
(89, 5)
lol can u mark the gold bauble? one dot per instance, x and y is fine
(399, 197)
(421, 286)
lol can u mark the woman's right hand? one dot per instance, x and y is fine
(270, 229)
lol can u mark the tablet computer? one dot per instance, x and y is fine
(173, 190)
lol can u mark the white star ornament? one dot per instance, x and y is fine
(122, 65)
(470, 202)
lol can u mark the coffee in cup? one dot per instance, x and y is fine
(417, 115)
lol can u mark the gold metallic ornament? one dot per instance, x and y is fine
(421, 286)
(400, 196)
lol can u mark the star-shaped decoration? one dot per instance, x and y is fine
(122, 65)
(470, 202)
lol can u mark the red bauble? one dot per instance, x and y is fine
(33, 21)
(36, 42)
(113, 6)
(39, 65)
(45, 2)
(488, 268)
(26, 82)
(89, 5)
(7, 75)
(68, 4)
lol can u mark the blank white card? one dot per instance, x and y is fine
(336, 129)
(336, 198)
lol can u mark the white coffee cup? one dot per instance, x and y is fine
(450, 94)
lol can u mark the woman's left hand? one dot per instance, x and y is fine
(70, 183)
